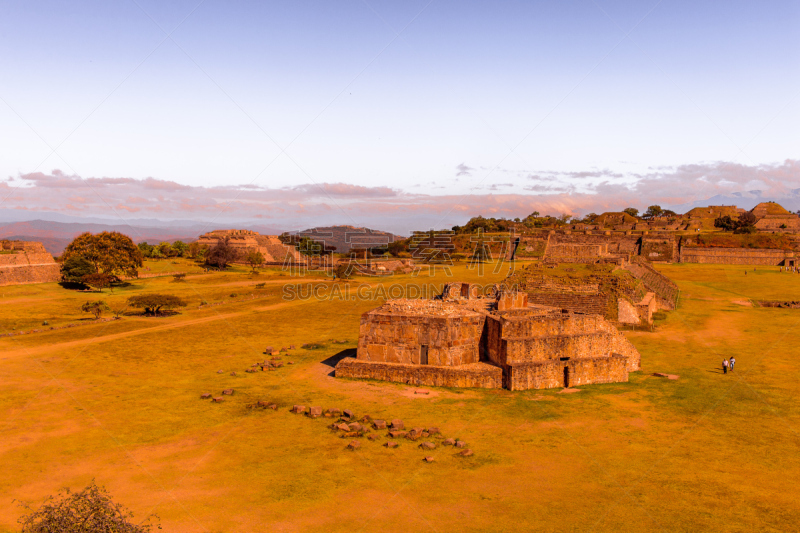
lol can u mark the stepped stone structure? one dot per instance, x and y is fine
(26, 262)
(244, 241)
(464, 340)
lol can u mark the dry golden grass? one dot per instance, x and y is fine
(119, 402)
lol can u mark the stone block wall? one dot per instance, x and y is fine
(546, 375)
(26, 262)
(583, 303)
(655, 249)
(397, 338)
(733, 256)
(472, 376)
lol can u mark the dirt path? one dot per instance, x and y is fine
(39, 350)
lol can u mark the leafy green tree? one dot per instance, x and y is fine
(255, 259)
(632, 211)
(180, 248)
(221, 254)
(110, 252)
(90, 510)
(98, 280)
(166, 249)
(653, 211)
(154, 303)
(725, 222)
(75, 267)
(96, 308)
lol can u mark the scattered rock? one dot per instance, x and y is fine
(298, 409)
(290, 363)
(427, 446)
(291, 347)
(205, 396)
(373, 436)
(355, 426)
(397, 434)
(314, 412)
(433, 431)
(397, 424)
(347, 413)
(268, 350)
(283, 349)
(354, 445)
(425, 434)
(262, 404)
(461, 444)
(448, 442)
(333, 412)
(391, 444)
(250, 370)
(429, 459)
(466, 453)
(341, 427)
(228, 392)
(366, 419)
(233, 373)
(414, 434)
(379, 424)
(272, 406)
(218, 400)
(220, 371)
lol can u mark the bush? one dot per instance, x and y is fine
(96, 308)
(88, 511)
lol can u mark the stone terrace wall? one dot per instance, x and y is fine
(476, 375)
(397, 338)
(733, 256)
(582, 303)
(29, 263)
(545, 375)
(664, 288)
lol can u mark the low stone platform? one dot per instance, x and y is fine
(472, 375)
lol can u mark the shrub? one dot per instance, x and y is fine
(96, 308)
(179, 276)
(88, 511)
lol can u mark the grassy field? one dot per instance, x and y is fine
(118, 401)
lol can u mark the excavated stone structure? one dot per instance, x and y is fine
(244, 241)
(24, 262)
(463, 340)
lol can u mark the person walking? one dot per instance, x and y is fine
(724, 366)
(731, 363)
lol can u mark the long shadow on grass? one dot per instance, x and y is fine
(333, 360)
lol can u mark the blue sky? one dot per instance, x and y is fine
(396, 94)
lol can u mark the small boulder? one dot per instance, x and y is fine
(291, 347)
(461, 444)
(397, 424)
(228, 392)
(205, 396)
(220, 371)
(466, 453)
(314, 412)
(298, 409)
(433, 431)
(218, 400)
(354, 445)
(448, 442)
(379, 424)
(233, 373)
(290, 363)
(348, 414)
(429, 459)
(250, 370)
(366, 419)
(272, 406)
(355, 426)
(283, 349)
(391, 444)
(427, 446)
(261, 403)
(335, 412)
(341, 427)
(397, 434)
(373, 436)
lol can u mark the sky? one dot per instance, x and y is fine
(393, 113)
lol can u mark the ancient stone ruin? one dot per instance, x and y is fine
(464, 340)
(26, 262)
(245, 241)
